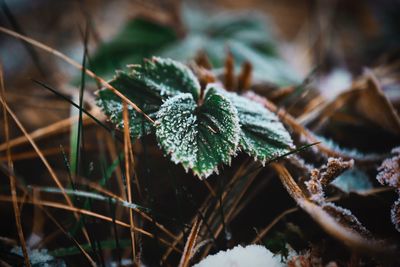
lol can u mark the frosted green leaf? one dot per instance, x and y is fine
(133, 89)
(262, 134)
(147, 85)
(199, 137)
(167, 77)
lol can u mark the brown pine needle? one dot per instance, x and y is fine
(43, 159)
(55, 128)
(76, 65)
(265, 231)
(127, 148)
(81, 249)
(89, 213)
(190, 244)
(11, 176)
(209, 187)
(141, 213)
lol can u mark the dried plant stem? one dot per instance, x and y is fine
(11, 175)
(350, 238)
(76, 65)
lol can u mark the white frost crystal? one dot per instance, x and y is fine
(249, 256)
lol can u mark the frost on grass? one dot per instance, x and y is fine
(322, 177)
(389, 174)
(146, 85)
(262, 134)
(40, 258)
(389, 171)
(198, 137)
(395, 214)
(346, 218)
(249, 256)
(325, 175)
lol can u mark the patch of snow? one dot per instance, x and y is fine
(249, 256)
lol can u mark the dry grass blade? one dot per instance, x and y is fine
(43, 159)
(141, 213)
(127, 149)
(88, 213)
(265, 231)
(55, 128)
(347, 236)
(76, 65)
(190, 244)
(11, 176)
(82, 250)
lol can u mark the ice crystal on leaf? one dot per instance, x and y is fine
(198, 137)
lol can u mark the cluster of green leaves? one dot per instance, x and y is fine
(199, 130)
(245, 34)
